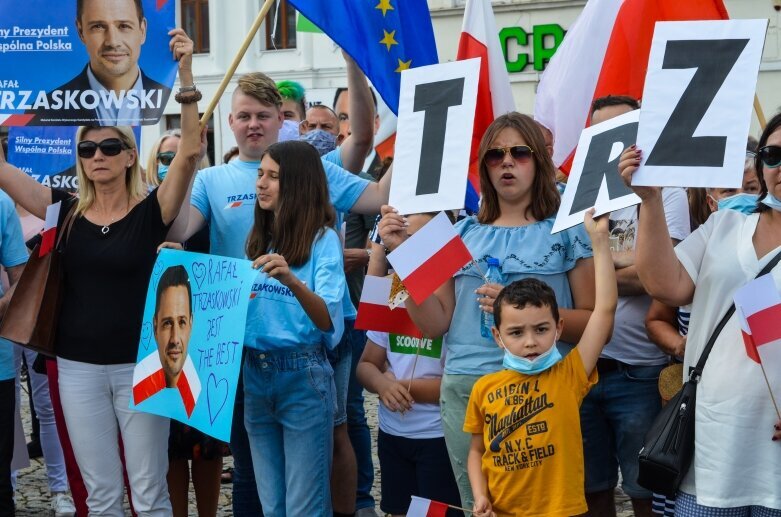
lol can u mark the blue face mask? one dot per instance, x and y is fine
(743, 203)
(321, 140)
(531, 366)
(771, 201)
(162, 170)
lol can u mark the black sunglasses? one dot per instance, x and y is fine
(495, 156)
(109, 147)
(166, 158)
(770, 155)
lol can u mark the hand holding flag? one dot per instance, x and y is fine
(430, 257)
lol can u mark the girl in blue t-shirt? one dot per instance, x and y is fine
(294, 313)
(519, 204)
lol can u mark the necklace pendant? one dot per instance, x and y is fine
(104, 230)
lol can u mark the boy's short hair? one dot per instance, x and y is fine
(521, 293)
(614, 100)
(261, 87)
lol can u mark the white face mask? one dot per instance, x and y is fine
(531, 366)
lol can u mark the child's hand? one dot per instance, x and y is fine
(482, 507)
(395, 396)
(598, 226)
(275, 266)
(392, 227)
(488, 293)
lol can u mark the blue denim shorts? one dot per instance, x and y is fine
(614, 418)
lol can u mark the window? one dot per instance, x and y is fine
(175, 122)
(284, 17)
(195, 19)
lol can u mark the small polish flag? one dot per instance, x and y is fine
(375, 314)
(49, 228)
(233, 204)
(758, 305)
(421, 507)
(149, 379)
(429, 258)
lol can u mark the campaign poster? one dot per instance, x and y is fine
(48, 154)
(107, 64)
(192, 337)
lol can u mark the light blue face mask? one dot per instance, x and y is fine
(771, 201)
(323, 141)
(743, 203)
(162, 170)
(531, 366)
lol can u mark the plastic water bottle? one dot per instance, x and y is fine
(494, 275)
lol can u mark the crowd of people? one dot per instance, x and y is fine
(530, 391)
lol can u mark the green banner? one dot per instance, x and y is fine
(304, 25)
(408, 345)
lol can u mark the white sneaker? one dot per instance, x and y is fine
(62, 505)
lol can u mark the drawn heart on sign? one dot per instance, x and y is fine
(146, 334)
(199, 272)
(216, 396)
(158, 269)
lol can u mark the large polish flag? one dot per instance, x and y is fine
(420, 507)
(758, 305)
(49, 228)
(605, 52)
(429, 258)
(479, 38)
(375, 314)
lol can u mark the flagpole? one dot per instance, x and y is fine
(414, 364)
(480, 271)
(760, 116)
(236, 60)
(772, 397)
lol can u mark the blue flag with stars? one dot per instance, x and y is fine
(384, 37)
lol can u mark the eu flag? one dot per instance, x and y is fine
(384, 37)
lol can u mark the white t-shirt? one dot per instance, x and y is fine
(735, 463)
(630, 343)
(423, 420)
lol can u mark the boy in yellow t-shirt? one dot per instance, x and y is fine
(526, 454)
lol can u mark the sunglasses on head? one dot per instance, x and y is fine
(495, 156)
(770, 155)
(166, 158)
(109, 147)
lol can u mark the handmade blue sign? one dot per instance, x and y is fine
(107, 64)
(192, 337)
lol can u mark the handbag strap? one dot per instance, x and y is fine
(696, 372)
(67, 224)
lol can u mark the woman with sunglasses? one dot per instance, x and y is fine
(519, 204)
(108, 253)
(736, 465)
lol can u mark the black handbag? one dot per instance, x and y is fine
(668, 447)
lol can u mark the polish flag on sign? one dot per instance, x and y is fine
(758, 305)
(429, 258)
(49, 228)
(479, 38)
(605, 52)
(149, 379)
(375, 314)
(420, 507)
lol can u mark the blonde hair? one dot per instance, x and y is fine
(152, 179)
(259, 86)
(133, 179)
(151, 165)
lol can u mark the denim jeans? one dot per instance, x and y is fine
(614, 418)
(357, 427)
(289, 415)
(246, 502)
